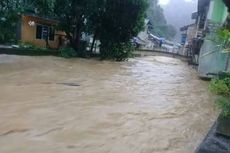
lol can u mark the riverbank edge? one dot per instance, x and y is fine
(28, 52)
(215, 142)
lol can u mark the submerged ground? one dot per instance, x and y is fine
(146, 105)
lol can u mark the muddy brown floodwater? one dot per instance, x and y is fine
(146, 105)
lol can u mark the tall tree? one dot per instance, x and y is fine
(73, 16)
(109, 21)
(94, 25)
(10, 11)
(121, 21)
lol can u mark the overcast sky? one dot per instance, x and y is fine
(178, 13)
(165, 2)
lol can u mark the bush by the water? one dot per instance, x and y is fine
(31, 46)
(118, 52)
(67, 52)
(224, 104)
(221, 87)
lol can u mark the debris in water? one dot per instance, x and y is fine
(69, 84)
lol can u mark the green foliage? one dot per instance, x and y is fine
(221, 87)
(73, 16)
(222, 39)
(224, 104)
(121, 21)
(9, 15)
(67, 52)
(109, 20)
(27, 45)
(118, 52)
(31, 46)
(43, 7)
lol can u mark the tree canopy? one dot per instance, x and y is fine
(9, 14)
(107, 20)
(112, 22)
(121, 21)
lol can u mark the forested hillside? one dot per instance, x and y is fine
(178, 13)
(160, 26)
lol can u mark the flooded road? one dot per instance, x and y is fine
(146, 105)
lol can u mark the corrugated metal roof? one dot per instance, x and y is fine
(184, 28)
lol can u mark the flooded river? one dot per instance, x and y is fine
(146, 105)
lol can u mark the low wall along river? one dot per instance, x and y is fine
(146, 105)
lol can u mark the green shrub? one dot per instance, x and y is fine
(68, 52)
(221, 38)
(116, 51)
(31, 46)
(224, 104)
(224, 38)
(221, 87)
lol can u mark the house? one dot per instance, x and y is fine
(211, 16)
(143, 40)
(36, 30)
(197, 37)
(188, 33)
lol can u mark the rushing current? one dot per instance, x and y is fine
(146, 105)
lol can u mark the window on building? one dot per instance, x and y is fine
(39, 32)
(43, 31)
(51, 33)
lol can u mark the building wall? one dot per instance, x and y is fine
(191, 33)
(219, 11)
(212, 59)
(28, 33)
